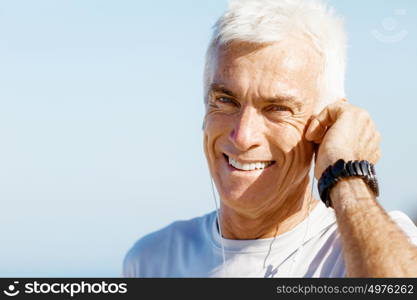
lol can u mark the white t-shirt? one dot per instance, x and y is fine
(192, 248)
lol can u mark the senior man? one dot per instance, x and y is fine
(274, 98)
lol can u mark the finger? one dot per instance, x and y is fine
(331, 113)
(315, 131)
(320, 123)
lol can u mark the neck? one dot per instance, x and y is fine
(294, 209)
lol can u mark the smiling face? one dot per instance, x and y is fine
(259, 102)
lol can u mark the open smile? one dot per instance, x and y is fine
(248, 165)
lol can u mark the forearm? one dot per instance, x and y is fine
(373, 245)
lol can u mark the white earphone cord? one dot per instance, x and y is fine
(219, 226)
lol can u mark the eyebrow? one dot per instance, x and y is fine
(278, 99)
(219, 88)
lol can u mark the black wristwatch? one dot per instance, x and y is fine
(342, 169)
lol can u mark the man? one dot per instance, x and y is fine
(274, 97)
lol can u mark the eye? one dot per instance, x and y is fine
(225, 104)
(278, 108)
(225, 100)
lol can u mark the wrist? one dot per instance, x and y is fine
(341, 171)
(351, 191)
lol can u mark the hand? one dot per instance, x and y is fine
(343, 131)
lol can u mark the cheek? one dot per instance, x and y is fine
(294, 151)
(287, 135)
(215, 126)
(215, 122)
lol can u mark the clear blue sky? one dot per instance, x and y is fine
(101, 112)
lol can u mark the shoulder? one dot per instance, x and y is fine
(405, 223)
(157, 246)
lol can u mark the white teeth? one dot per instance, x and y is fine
(248, 167)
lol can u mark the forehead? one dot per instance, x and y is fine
(291, 66)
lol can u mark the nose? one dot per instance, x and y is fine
(247, 130)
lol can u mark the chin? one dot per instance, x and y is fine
(242, 200)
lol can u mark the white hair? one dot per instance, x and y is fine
(266, 21)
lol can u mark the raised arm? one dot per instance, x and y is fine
(373, 244)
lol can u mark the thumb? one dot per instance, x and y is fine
(315, 131)
(325, 119)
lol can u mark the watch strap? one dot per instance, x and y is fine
(340, 170)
